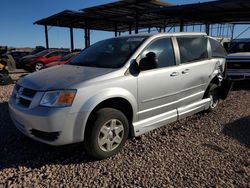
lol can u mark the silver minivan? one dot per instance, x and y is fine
(120, 87)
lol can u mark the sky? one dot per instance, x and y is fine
(17, 18)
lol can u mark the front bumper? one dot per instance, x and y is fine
(53, 126)
(238, 74)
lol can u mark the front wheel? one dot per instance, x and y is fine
(213, 94)
(107, 133)
(38, 66)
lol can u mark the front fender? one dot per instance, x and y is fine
(103, 95)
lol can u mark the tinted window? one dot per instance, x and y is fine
(217, 48)
(163, 51)
(67, 57)
(110, 53)
(42, 53)
(57, 54)
(192, 48)
(52, 54)
(239, 47)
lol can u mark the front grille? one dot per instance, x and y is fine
(17, 87)
(24, 96)
(232, 64)
(24, 102)
(48, 136)
(29, 92)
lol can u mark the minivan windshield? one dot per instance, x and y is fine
(110, 53)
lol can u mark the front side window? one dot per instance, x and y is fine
(192, 48)
(158, 54)
(110, 53)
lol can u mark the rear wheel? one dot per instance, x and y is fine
(213, 94)
(38, 66)
(107, 133)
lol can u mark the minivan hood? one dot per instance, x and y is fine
(61, 77)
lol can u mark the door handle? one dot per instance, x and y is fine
(174, 74)
(185, 71)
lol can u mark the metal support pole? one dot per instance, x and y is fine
(207, 28)
(223, 30)
(218, 29)
(116, 30)
(232, 35)
(181, 25)
(136, 23)
(87, 38)
(130, 29)
(46, 36)
(164, 26)
(149, 30)
(71, 39)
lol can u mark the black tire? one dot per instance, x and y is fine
(94, 135)
(213, 93)
(5, 79)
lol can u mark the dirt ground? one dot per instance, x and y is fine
(204, 150)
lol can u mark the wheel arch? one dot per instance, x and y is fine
(216, 81)
(117, 103)
(116, 98)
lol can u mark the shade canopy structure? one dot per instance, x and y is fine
(223, 11)
(133, 15)
(119, 16)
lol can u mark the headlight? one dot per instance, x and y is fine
(58, 98)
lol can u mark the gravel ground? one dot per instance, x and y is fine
(205, 150)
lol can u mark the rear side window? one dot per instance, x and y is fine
(192, 48)
(217, 49)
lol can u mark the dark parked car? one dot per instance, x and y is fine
(3, 50)
(36, 62)
(16, 55)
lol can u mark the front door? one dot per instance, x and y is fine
(158, 84)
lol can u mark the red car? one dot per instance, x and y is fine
(63, 60)
(43, 58)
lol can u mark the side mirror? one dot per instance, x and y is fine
(134, 68)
